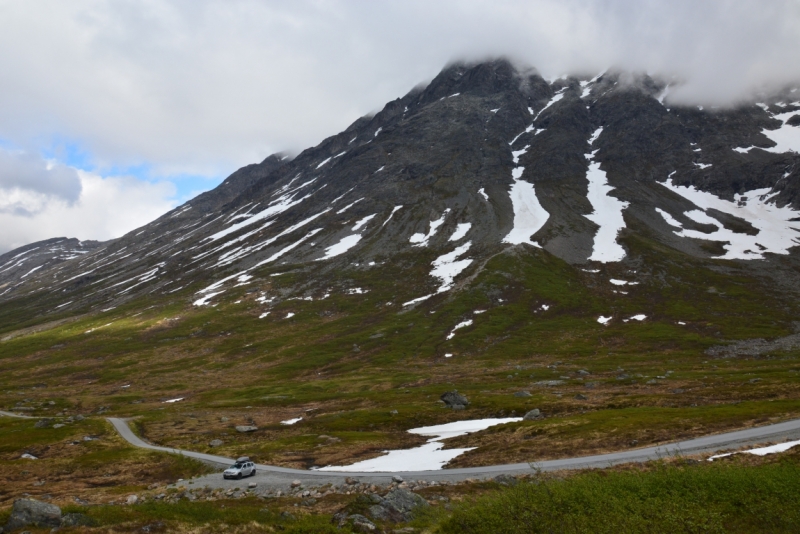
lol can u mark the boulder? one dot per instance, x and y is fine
(215, 443)
(30, 512)
(361, 523)
(523, 394)
(77, 520)
(506, 480)
(246, 428)
(43, 423)
(398, 505)
(455, 400)
(533, 415)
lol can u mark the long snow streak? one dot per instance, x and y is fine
(607, 212)
(777, 227)
(529, 215)
(277, 207)
(786, 137)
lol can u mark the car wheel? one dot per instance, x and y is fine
(253, 473)
(239, 476)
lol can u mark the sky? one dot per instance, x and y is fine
(112, 112)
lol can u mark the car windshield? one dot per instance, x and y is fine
(237, 465)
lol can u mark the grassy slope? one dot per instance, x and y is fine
(351, 359)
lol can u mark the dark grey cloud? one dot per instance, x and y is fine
(28, 183)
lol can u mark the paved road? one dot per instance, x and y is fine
(21, 416)
(273, 477)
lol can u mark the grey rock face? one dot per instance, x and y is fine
(397, 505)
(455, 400)
(30, 512)
(533, 415)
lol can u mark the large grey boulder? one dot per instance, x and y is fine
(246, 428)
(533, 415)
(33, 513)
(398, 505)
(455, 400)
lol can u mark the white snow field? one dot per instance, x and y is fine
(427, 457)
(761, 451)
(786, 137)
(462, 324)
(421, 240)
(529, 215)
(461, 231)
(341, 247)
(777, 233)
(607, 212)
(446, 267)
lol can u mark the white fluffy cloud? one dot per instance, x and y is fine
(106, 208)
(202, 87)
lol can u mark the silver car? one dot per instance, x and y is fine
(242, 468)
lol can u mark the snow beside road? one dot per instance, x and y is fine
(427, 457)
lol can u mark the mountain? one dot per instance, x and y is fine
(493, 231)
(488, 155)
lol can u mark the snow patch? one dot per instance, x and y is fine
(483, 194)
(461, 231)
(603, 320)
(421, 240)
(362, 222)
(345, 244)
(462, 324)
(390, 215)
(777, 232)
(428, 457)
(292, 421)
(529, 215)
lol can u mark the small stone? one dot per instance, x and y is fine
(523, 394)
(350, 481)
(43, 423)
(215, 443)
(224, 419)
(246, 428)
(584, 372)
(397, 478)
(506, 480)
(27, 456)
(252, 485)
(132, 499)
(533, 415)
(59, 425)
(581, 397)
(296, 483)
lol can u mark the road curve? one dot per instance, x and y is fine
(280, 477)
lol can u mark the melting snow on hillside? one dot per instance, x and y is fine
(777, 232)
(529, 215)
(607, 212)
(428, 457)
(446, 267)
(786, 137)
(421, 240)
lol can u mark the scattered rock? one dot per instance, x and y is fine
(30, 512)
(27, 456)
(215, 443)
(361, 523)
(581, 397)
(455, 400)
(549, 383)
(43, 423)
(754, 380)
(59, 425)
(533, 415)
(523, 394)
(398, 505)
(132, 499)
(77, 520)
(224, 419)
(296, 483)
(678, 391)
(584, 372)
(350, 481)
(246, 428)
(79, 417)
(252, 485)
(506, 480)
(397, 478)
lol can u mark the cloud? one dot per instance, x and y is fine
(28, 183)
(106, 208)
(202, 87)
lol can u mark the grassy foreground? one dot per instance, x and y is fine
(719, 497)
(740, 494)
